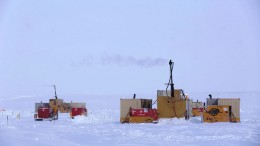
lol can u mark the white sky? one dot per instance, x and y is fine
(110, 47)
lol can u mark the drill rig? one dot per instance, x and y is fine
(173, 103)
(50, 111)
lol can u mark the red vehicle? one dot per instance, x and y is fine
(44, 113)
(144, 112)
(76, 111)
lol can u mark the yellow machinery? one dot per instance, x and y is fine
(197, 112)
(222, 110)
(58, 105)
(217, 113)
(170, 107)
(171, 104)
(140, 119)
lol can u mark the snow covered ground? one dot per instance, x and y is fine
(102, 127)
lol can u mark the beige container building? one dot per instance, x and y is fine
(235, 106)
(126, 104)
(189, 107)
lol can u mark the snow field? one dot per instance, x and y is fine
(102, 127)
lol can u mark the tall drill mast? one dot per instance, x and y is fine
(56, 97)
(171, 82)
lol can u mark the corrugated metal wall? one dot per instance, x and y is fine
(234, 102)
(125, 104)
(189, 106)
(197, 105)
(177, 93)
(163, 93)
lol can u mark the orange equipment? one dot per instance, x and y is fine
(143, 115)
(217, 113)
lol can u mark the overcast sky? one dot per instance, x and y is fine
(111, 47)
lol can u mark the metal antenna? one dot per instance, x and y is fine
(171, 82)
(56, 97)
